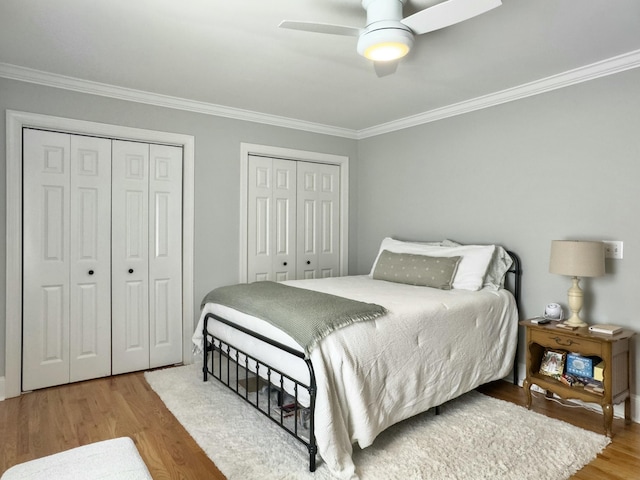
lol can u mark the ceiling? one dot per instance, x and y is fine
(231, 53)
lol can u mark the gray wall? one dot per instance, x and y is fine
(555, 166)
(217, 169)
(562, 165)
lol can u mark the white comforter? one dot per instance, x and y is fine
(432, 346)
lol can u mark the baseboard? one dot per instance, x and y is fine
(1, 388)
(618, 410)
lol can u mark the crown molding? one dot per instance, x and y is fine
(610, 66)
(29, 75)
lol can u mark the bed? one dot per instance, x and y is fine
(434, 342)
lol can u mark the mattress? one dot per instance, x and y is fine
(433, 345)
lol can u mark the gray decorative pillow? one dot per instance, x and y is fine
(420, 270)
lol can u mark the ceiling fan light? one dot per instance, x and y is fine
(385, 44)
(385, 51)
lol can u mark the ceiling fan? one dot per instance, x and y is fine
(387, 37)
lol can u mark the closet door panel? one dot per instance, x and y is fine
(284, 220)
(328, 232)
(271, 219)
(307, 223)
(318, 220)
(259, 228)
(130, 256)
(165, 254)
(90, 253)
(307, 235)
(46, 187)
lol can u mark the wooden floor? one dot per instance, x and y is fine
(56, 419)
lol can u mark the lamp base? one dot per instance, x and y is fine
(575, 321)
(575, 304)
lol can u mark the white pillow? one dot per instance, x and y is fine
(498, 267)
(471, 269)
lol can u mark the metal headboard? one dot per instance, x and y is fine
(516, 271)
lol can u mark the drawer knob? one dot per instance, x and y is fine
(559, 341)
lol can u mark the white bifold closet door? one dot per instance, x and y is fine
(318, 220)
(272, 219)
(293, 217)
(146, 256)
(67, 259)
(102, 257)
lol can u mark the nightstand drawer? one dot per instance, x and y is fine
(561, 340)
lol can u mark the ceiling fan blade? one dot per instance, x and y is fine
(386, 68)
(321, 28)
(447, 13)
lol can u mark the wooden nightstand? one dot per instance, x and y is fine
(613, 350)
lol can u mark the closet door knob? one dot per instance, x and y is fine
(131, 270)
(90, 272)
(308, 262)
(285, 264)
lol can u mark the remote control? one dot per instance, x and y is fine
(540, 320)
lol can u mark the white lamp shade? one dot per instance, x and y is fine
(577, 258)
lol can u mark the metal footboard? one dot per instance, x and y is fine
(231, 366)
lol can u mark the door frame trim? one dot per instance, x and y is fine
(341, 161)
(16, 121)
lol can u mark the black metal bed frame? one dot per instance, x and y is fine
(516, 271)
(230, 355)
(229, 366)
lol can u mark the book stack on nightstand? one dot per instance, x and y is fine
(581, 363)
(605, 329)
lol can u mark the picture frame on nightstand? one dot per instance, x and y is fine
(552, 363)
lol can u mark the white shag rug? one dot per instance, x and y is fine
(474, 437)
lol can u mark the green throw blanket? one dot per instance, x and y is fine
(306, 315)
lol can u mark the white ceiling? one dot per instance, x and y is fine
(231, 53)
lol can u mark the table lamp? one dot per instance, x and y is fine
(576, 258)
